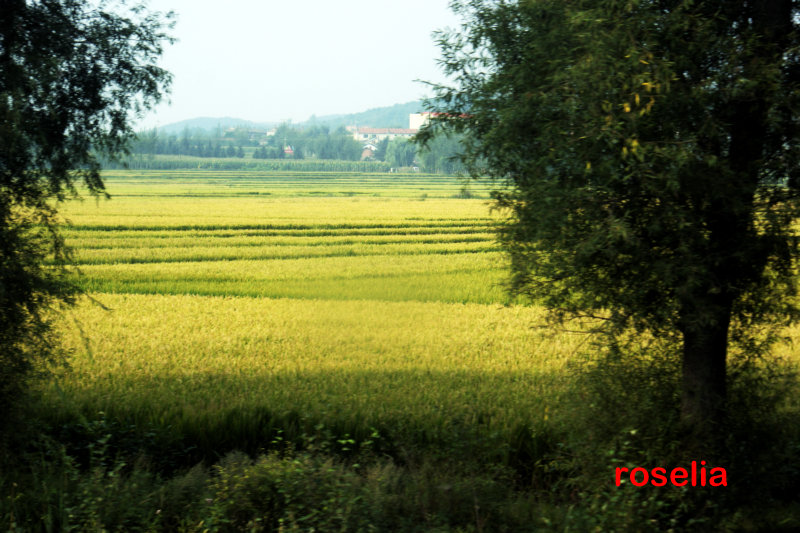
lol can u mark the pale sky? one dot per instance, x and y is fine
(272, 61)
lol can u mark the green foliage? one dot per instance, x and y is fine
(289, 491)
(300, 493)
(152, 150)
(651, 160)
(69, 75)
(348, 483)
(624, 411)
(441, 154)
(51, 493)
(317, 142)
(380, 153)
(27, 290)
(401, 153)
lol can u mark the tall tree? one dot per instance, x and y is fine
(651, 156)
(401, 152)
(441, 155)
(71, 74)
(380, 153)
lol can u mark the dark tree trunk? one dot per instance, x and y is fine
(705, 351)
(733, 255)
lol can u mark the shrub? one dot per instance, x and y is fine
(625, 413)
(299, 492)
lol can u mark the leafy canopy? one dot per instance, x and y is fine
(650, 154)
(71, 73)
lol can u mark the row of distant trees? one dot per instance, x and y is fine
(196, 143)
(316, 142)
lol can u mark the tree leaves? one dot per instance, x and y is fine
(70, 75)
(637, 141)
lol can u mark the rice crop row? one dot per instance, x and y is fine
(90, 240)
(291, 269)
(200, 183)
(220, 253)
(98, 233)
(456, 287)
(463, 277)
(122, 213)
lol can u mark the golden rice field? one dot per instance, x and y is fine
(227, 313)
(236, 304)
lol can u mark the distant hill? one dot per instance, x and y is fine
(395, 116)
(210, 123)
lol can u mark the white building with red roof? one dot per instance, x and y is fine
(374, 135)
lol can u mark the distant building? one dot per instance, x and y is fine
(374, 135)
(417, 120)
(363, 134)
(368, 152)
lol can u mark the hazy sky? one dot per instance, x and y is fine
(270, 60)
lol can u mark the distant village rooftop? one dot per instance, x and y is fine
(366, 134)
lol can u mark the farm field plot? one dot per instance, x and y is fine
(225, 310)
(200, 183)
(148, 239)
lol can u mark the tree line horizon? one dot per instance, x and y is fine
(297, 142)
